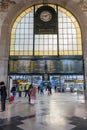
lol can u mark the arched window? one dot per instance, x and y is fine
(66, 43)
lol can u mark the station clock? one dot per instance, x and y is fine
(45, 16)
(45, 20)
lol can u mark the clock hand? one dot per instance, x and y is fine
(45, 15)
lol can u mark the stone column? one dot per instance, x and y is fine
(3, 61)
(85, 78)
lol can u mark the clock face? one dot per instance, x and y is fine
(45, 16)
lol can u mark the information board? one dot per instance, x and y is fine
(46, 66)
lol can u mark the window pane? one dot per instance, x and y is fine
(67, 41)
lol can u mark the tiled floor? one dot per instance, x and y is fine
(59, 111)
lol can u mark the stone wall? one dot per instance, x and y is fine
(12, 8)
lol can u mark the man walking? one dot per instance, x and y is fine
(20, 90)
(3, 95)
(26, 89)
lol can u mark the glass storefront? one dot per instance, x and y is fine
(60, 81)
(67, 82)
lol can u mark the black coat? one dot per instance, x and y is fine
(3, 92)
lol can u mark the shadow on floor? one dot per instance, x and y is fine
(13, 123)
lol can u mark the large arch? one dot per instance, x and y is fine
(20, 7)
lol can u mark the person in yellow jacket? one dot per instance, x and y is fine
(26, 89)
(20, 90)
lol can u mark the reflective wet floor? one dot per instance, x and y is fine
(59, 111)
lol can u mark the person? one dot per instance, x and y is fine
(11, 98)
(26, 89)
(38, 89)
(71, 89)
(33, 95)
(13, 90)
(29, 92)
(41, 89)
(63, 89)
(55, 88)
(3, 95)
(20, 90)
(49, 89)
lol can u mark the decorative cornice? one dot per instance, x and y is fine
(83, 5)
(4, 4)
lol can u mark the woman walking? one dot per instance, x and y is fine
(33, 95)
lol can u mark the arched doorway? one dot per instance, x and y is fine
(46, 41)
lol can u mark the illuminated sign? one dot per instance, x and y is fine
(79, 81)
(22, 81)
(69, 80)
